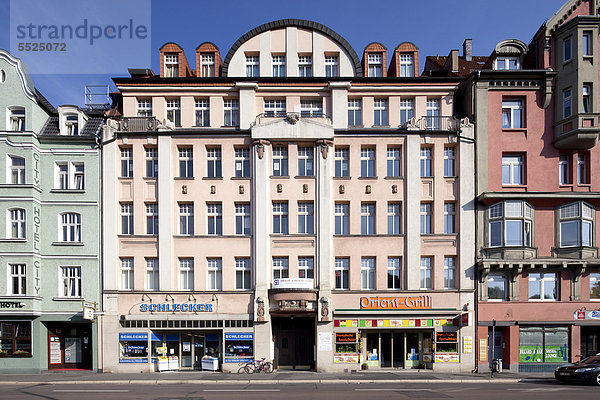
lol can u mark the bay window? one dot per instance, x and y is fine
(510, 224)
(576, 224)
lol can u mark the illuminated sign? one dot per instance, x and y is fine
(349, 337)
(446, 336)
(176, 307)
(395, 303)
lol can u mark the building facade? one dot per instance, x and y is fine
(49, 197)
(291, 202)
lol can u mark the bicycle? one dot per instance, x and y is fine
(256, 366)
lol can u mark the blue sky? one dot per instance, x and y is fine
(435, 26)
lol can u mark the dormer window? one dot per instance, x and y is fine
(207, 65)
(305, 66)
(506, 63)
(252, 66)
(171, 65)
(331, 66)
(17, 119)
(72, 125)
(407, 65)
(375, 61)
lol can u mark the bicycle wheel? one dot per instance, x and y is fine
(268, 367)
(243, 369)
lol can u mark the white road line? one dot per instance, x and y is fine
(241, 390)
(545, 389)
(92, 390)
(392, 389)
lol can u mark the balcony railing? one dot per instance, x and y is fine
(139, 124)
(432, 124)
(292, 117)
(580, 131)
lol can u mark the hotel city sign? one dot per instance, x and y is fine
(395, 303)
(176, 307)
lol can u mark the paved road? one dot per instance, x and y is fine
(475, 390)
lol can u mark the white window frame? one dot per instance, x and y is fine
(506, 63)
(186, 273)
(586, 98)
(202, 112)
(16, 227)
(127, 271)
(564, 169)
(152, 226)
(311, 108)
(281, 267)
(173, 110)
(231, 112)
(375, 65)
(426, 219)
(151, 157)
(498, 277)
(449, 272)
(69, 227)
(280, 218)
(342, 162)
(380, 112)
(508, 216)
(126, 162)
(342, 273)
(426, 162)
(394, 272)
(449, 218)
(305, 66)
(582, 169)
(407, 110)
(394, 218)
(368, 219)
(449, 161)
(274, 108)
(242, 219)
(171, 65)
(306, 161)
(542, 279)
(17, 119)
(186, 161)
(72, 125)
(331, 66)
(278, 63)
(306, 218)
(306, 267)
(17, 279)
(243, 273)
(214, 219)
(16, 171)
(581, 215)
(69, 285)
(207, 65)
(514, 165)
(280, 160)
(126, 218)
(367, 273)
(252, 66)
(433, 114)
(367, 162)
(144, 107)
(62, 175)
(426, 272)
(242, 162)
(394, 161)
(214, 270)
(354, 112)
(186, 219)
(594, 281)
(152, 274)
(342, 218)
(214, 165)
(512, 114)
(407, 65)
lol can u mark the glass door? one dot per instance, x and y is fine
(398, 350)
(373, 349)
(186, 351)
(386, 349)
(198, 351)
(412, 350)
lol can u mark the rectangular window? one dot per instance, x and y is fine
(576, 224)
(393, 272)
(207, 65)
(70, 282)
(512, 114)
(507, 63)
(595, 285)
(543, 286)
(186, 274)
(174, 111)
(242, 273)
(171, 65)
(433, 114)
(564, 175)
(567, 51)
(342, 272)
(215, 268)
(586, 44)
(152, 274)
(582, 169)
(305, 161)
(202, 110)
(393, 161)
(449, 161)
(242, 219)
(367, 219)
(126, 162)
(242, 162)
(380, 110)
(280, 161)
(281, 268)
(497, 287)
(342, 162)
(426, 219)
(512, 170)
(394, 219)
(367, 162)
(274, 108)
(63, 175)
(342, 219)
(566, 103)
(144, 107)
(18, 223)
(449, 218)
(306, 218)
(280, 218)
(252, 66)
(186, 162)
(587, 98)
(72, 125)
(231, 112)
(186, 219)
(70, 227)
(18, 279)
(15, 339)
(126, 219)
(278, 66)
(151, 162)
(354, 112)
(375, 62)
(213, 161)
(426, 267)
(17, 119)
(306, 267)
(17, 170)
(407, 110)
(311, 108)
(449, 273)
(151, 219)
(127, 273)
(331, 66)
(214, 214)
(407, 65)
(305, 66)
(426, 160)
(78, 176)
(367, 272)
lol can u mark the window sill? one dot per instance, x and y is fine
(514, 130)
(279, 177)
(212, 178)
(517, 186)
(123, 236)
(67, 191)
(367, 178)
(240, 178)
(380, 126)
(125, 178)
(150, 178)
(310, 177)
(342, 178)
(230, 126)
(78, 299)
(14, 240)
(183, 178)
(68, 244)
(394, 178)
(355, 126)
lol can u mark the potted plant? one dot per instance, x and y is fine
(364, 366)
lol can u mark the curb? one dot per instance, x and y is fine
(268, 382)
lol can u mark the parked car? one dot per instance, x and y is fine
(585, 371)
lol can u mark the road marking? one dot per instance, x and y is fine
(545, 389)
(241, 390)
(394, 390)
(92, 390)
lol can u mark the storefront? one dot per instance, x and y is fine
(69, 345)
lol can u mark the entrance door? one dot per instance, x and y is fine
(294, 342)
(386, 349)
(590, 336)
(198, 351)
(495, 347)
(398, 351)
(412, 350)
(69, 346)
(186, 351)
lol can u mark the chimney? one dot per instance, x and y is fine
(454, 60)
(468, 50)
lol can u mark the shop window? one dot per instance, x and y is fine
(15, 339)
(346, 347)
(239, 347)
(133, 348)
(446, 345)
(544, 345)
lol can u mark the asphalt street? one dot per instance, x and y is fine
(488, 391)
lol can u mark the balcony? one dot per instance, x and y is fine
(579, 131)
(139, 124)
(432, 124)
(291, 117)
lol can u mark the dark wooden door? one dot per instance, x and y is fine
(294, 342)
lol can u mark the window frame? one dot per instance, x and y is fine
(202, 112)
(306, 166)
(567, 104)
(507, 63)
(243, 273)
(306, 218)
(214, 164)
(584, 221)
(70, 279)
(394, 218)
(515, 164)
(368, 218)
(186, 273)
(171, 63)
(368, 266)
(243, 222)
(426, 162)
(342, 266)
(173, 111)
(16, 337)
(426, 218)
(543, 278)
(242, 162)
(274, 108)
(375, 65)
(425, 273)
(305, 65)
(144, 108)
(342, 162)
(513, 112)
(17, 171)
(152, 226)
(282, 266)
(252, 66)
(433, 110)
(498, 277)
(306, 267)
(278, 64)
(17, 274)
(17, 119)
(214, 219)
(127, 214)
(407, 64)
(354, 112)
(567, 49)
(394, 264)
(381, 112)
(126, 268)
(499, 214)
(126, 159)
(207, 65)
(280, 160)
(214, 270)
(368, 162)
(151, 157)
(332, 66)
(450, 272)
(186, 161)
(69, 227)
(231, 112)
(280, 218)
(186, 219)
(342, 218)
(152, 281)
(449, 217)
(16, 223)
(564, 169)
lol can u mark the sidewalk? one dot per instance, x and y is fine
(278, 377)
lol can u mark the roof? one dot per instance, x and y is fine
(91, 128)
(302, 23)
(435, 66)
